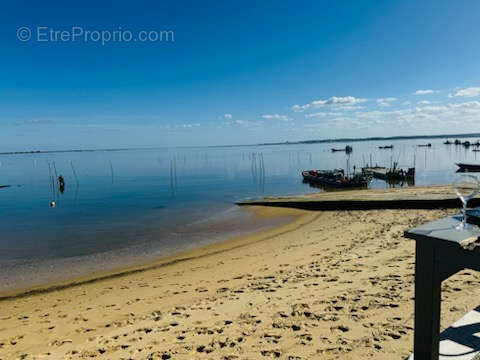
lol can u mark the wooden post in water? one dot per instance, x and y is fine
(111, 169)
(74, 172)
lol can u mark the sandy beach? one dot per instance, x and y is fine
(326, 285)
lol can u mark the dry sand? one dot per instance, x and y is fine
(327, 285)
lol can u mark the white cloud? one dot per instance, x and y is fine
(187, 126)
(227, 116)
(386, 101)
(468, 104)
(246, 123)
(424, 92)
(389, 99)
(333, 101)
(424, 115)
(429, 116)
(338, 114)
(348, 107)
(323, 114)
(276, 117)
(436, 109)
(466, 92)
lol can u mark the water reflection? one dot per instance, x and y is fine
(173, 176)
(106, 197)
(258, 171)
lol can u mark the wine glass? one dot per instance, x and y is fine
(466, 187)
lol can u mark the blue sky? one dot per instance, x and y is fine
(237, 72)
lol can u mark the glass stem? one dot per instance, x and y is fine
(464, 212)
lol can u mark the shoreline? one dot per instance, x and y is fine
(225, 244)
(258, 209)
(329, 285)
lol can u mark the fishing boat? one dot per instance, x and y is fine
(463, 167)
(396, 172)
(335, 178)
(425, 145)
(466, 144)
(458, 142)
(386, 147)
(348, 149)
(448, 142)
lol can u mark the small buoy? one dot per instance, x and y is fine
(52, 204)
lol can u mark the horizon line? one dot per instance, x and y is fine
(304, 142)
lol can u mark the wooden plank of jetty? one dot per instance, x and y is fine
(431, 197)
(377, 172)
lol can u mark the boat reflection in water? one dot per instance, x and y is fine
(398, 183)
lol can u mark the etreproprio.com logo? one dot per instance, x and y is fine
(80, 34)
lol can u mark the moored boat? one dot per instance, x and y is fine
(348, 149)
(335, 178)
(386, 147)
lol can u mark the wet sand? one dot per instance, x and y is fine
(153, 242)
(327, 285)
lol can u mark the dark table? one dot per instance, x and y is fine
(438, 255)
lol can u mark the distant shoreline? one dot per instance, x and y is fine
(318, 141)
(375, 138)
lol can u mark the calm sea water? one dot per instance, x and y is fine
(122, 207)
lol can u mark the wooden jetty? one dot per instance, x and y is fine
(394, 173)
(378, 172)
